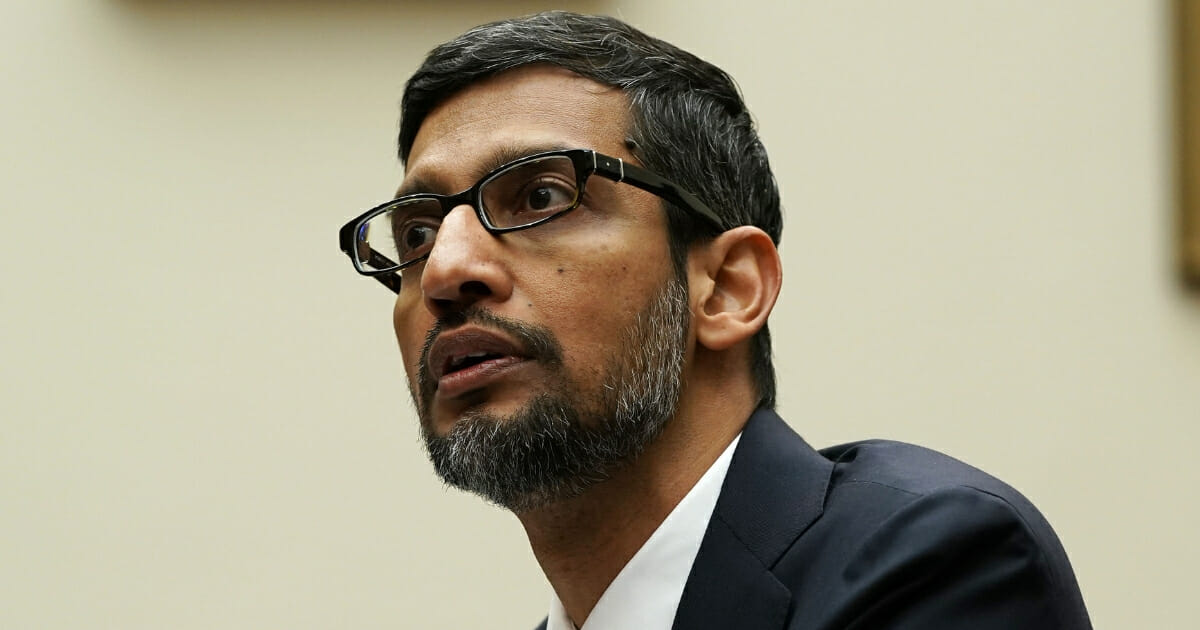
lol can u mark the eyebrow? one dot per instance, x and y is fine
(499, 157)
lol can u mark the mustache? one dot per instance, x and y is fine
(536, 341)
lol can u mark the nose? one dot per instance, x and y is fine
(465, 266)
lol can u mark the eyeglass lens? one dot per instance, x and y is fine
(522, 194)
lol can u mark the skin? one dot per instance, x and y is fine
(582, 276)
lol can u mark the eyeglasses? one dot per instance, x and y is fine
(519, 195)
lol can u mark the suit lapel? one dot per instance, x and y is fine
(774, 490)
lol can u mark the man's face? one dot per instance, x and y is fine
(540, 359)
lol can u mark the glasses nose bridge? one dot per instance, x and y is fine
(469, 197)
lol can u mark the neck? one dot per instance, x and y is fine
(582, 543)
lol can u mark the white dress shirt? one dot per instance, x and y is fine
(646, 593)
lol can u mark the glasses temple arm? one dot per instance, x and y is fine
(619, 170)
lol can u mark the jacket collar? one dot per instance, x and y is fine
(774, 490)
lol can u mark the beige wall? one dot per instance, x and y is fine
(203, 422)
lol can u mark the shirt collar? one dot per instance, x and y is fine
(646, 593)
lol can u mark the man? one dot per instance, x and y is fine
(583, 249)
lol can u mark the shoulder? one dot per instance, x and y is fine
(908, 471)
(903, 520)
(894, 476)
(908, 466)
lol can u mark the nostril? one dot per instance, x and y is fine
(474, 289)
(468, 294)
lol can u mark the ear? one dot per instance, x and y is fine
(734, 280)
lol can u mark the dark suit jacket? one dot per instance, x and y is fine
(872, 535)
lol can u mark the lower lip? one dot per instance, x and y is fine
(477, 376)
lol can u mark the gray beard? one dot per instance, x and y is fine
(563, 442)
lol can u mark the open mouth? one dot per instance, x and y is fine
(467, 351)
(463, 362)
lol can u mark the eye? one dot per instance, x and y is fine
(414, 236)
(530, 191)
(544, 195)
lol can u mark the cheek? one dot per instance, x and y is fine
(591, 290)
(591, 305)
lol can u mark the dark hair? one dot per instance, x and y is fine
(689, 121)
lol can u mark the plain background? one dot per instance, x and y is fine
(203, 417)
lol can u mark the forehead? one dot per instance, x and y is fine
(514, 113)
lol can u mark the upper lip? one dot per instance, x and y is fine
(451, 347)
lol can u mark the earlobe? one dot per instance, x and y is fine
(738, 275)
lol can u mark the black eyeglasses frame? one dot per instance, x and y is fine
(586, 162)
